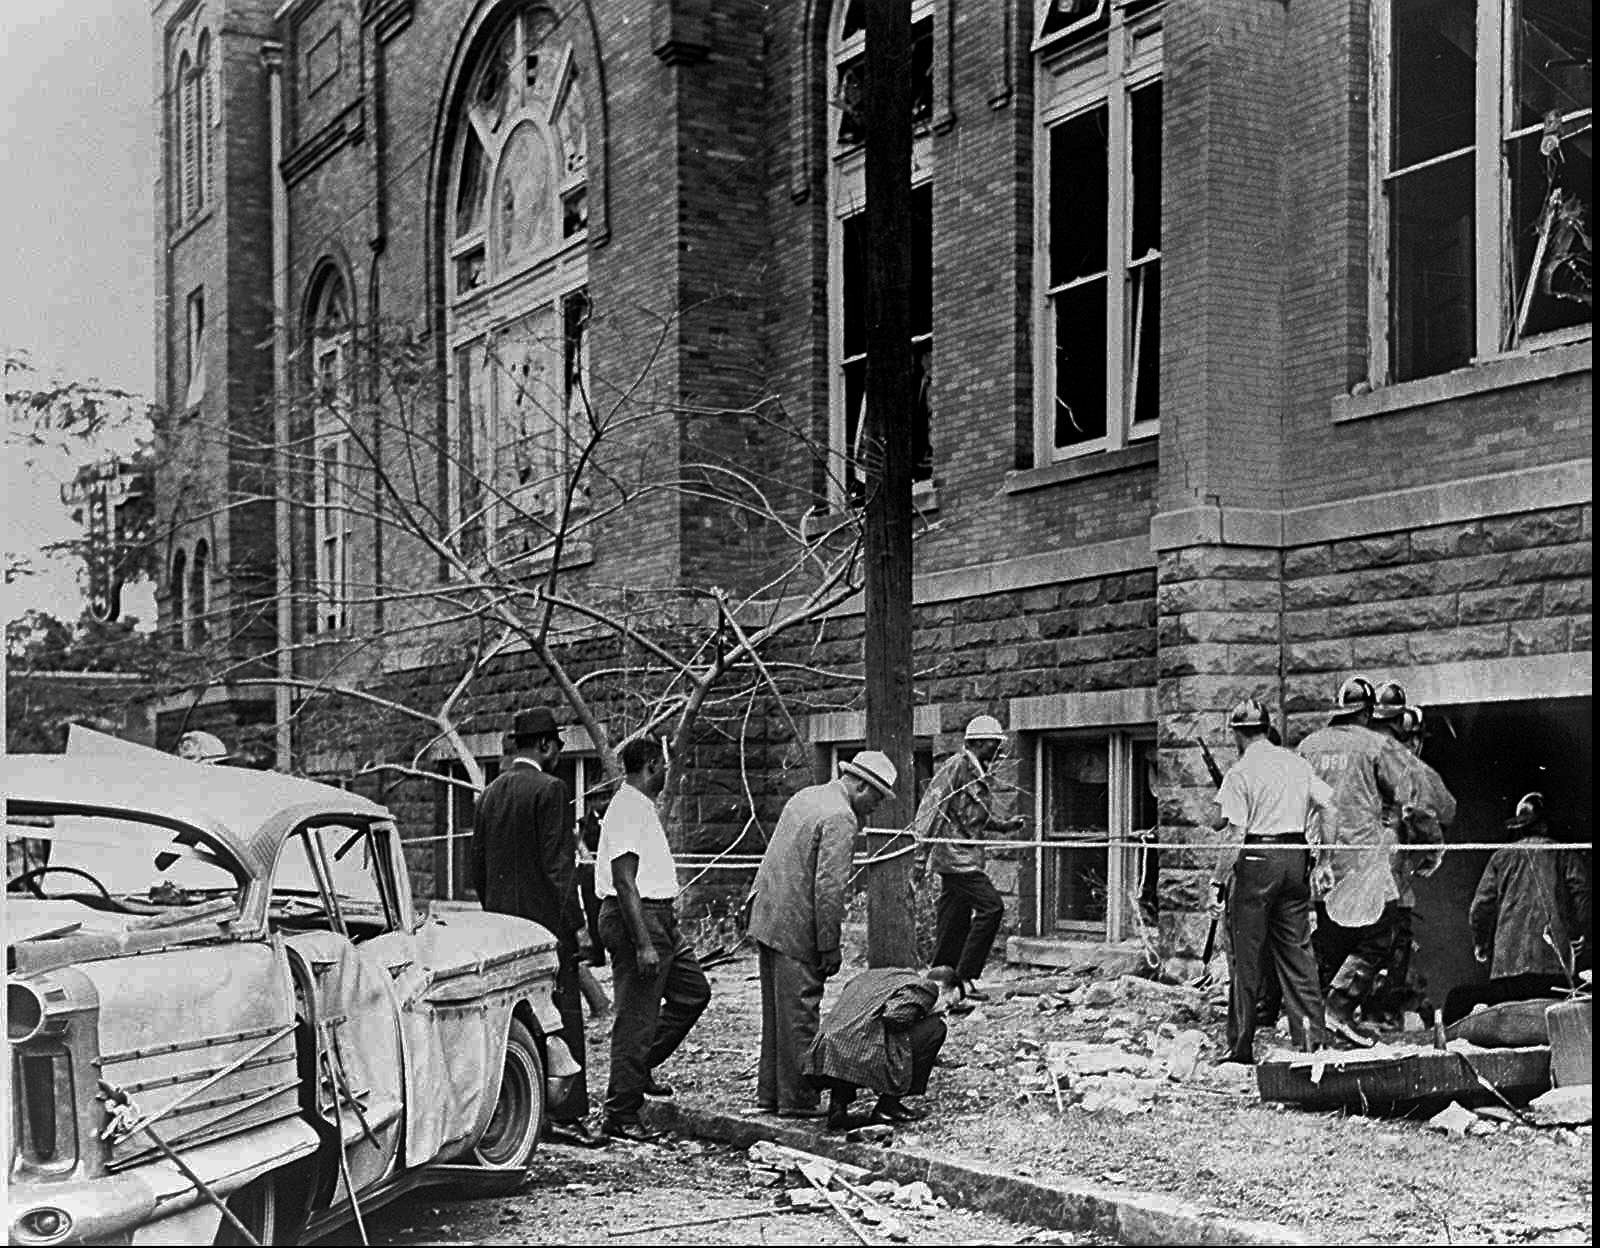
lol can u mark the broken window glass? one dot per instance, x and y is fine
(1550, 158)
(1078, 221)
(1144, 263)
(1078, 17)
(850, 86)
(854, 333)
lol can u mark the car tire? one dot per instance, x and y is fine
(264, 1207)
(512, 1135)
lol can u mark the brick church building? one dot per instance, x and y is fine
(1253, 348)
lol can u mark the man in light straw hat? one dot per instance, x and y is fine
(958, 806)
(797, 908)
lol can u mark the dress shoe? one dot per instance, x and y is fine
(972, 992)
(1339, 1019)
(622, 1129)
(654, 1087)
(892, 1109)
(575, 1134)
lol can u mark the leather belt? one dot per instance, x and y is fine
(1277, 838)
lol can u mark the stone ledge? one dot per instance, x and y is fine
(1076, 469)
(1498, 374)
(1123, 1217)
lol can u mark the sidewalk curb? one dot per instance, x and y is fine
(1125, 1217)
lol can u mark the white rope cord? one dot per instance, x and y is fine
(1128, 842)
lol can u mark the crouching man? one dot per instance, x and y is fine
(883, 1034)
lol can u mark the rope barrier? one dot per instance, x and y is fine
(1127, 842)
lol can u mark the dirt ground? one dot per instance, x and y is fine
(616, 1196)
(1209, 1141)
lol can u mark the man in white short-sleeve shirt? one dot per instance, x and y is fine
(660, 989)
(1271, 801)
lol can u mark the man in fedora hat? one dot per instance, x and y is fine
(1529, 916)
(797, 908)
(524, 859)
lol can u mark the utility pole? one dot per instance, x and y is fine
(891, 939)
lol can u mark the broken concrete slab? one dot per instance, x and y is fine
(1452, 1120)
(1569, 1106)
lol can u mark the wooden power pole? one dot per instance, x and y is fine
(891, 939)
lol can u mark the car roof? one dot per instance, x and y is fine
(249, 812)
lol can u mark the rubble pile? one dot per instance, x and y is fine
(1149, 1038)
(811, 1182)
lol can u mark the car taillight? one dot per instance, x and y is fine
(46, 1109)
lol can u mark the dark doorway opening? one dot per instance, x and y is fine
(1490, 754)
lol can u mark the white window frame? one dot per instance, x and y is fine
(847, 197)
(331, 452)
(484, 316)
(1077, 78)
(1494, 328)
(1120, 859)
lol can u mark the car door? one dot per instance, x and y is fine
(331, 901)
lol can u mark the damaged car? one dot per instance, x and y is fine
(229, 1022)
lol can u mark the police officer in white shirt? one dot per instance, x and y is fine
(660, 989)
(1270, 800)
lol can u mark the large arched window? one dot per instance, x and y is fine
(330, 338)
(516, 218)
(847, 244)
(193, 99)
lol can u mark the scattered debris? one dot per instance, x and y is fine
(1453, 1120)
(1568, 1106)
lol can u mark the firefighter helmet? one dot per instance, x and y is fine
(1390, 700)
(1355, 695)
(985, 728)
(1249, 716)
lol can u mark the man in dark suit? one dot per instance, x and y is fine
(524, 856)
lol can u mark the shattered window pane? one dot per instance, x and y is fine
(1078, 221)
(922, 72)
(1075, 16)
(850, 87)
(854, 327)
(1550, 156)
(1435, 51)
(1144, 270)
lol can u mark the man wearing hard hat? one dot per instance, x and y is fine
(958, 806)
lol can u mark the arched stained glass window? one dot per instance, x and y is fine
(516, 222)
(520, 165)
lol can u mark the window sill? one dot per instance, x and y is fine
(1097, 465)
(1500, 373)
(181, 232)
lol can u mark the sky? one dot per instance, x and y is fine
(77, 155)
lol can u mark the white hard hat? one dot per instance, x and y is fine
(985, 728)
(873, 767)
(201, 747)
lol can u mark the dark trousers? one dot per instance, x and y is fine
(573, 1106)
(927, 1038)
(1349, 958)
(1458, 1002)
(591, 913)
(791, 1008)
(655, 1012)
(967, 919)
(1269, 925)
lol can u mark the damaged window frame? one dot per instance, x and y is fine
(1105, 67)
(1505, 312)
(846, 278)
